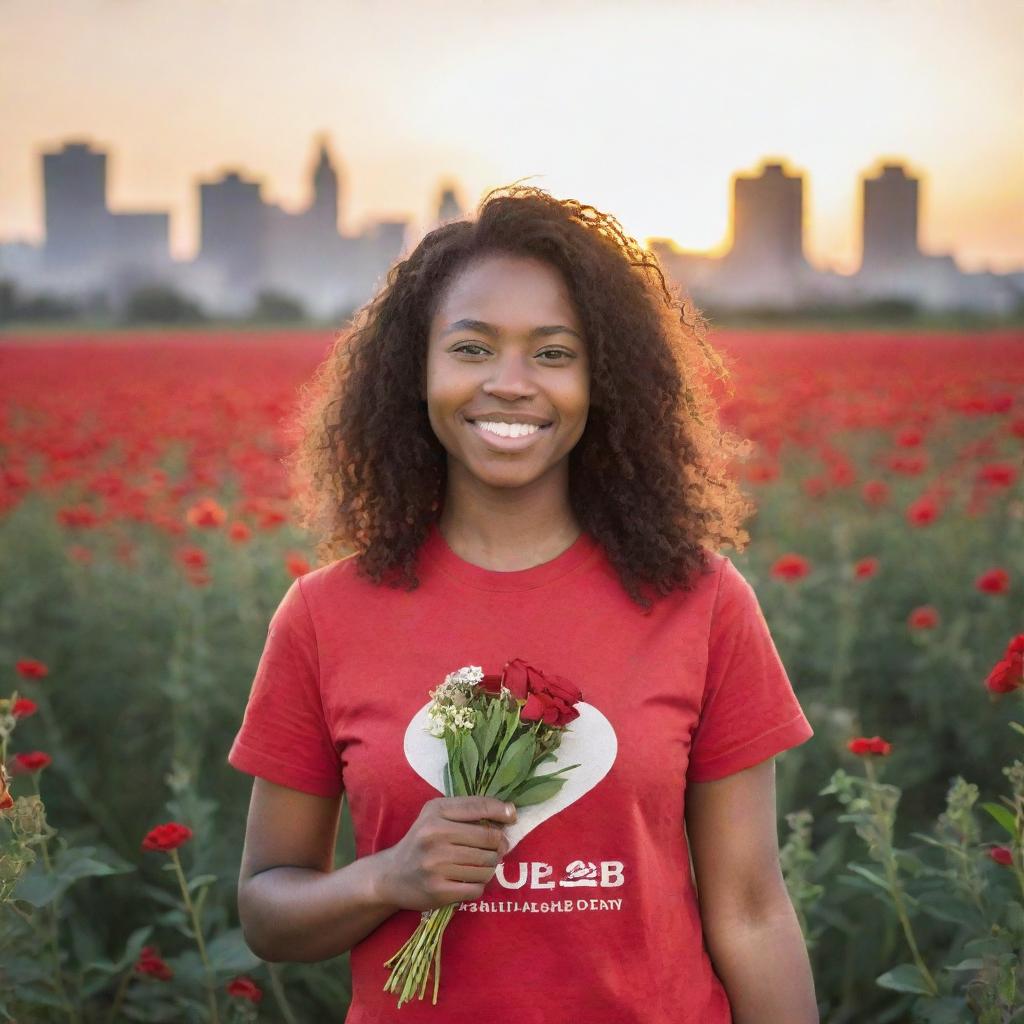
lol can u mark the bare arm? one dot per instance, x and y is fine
(764, 968)
(295, 906)
(750, 927)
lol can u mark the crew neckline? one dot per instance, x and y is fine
(437, 553)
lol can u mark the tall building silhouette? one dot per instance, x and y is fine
(326, 205)
(232, 224)
(448, 206)
(75, 204)
(87, 245)
(768, 220)
(890, 203)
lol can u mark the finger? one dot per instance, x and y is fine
(477, 808)
(485, 837)
(468, 873)
(472, 856)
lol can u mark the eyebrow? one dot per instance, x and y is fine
(486, 328)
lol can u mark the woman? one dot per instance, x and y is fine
(518, 445)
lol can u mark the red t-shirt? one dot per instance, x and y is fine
(592, 915)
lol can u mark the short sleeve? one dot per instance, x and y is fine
(749, 711)
(284, 736)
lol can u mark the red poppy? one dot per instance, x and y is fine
(875, 492)
(167, 837)
(239, 532)
(922, 512)
(1001, 855)
(994, 581)
(1008, 674)
(868, 745)
(23, 707)
(925, 616)
(297, 565)
(245, 988)
(206, 512)
(30, 762)
(151, 963)
(909, 437)
(865, 568)
(998, 474)
(791, 567)
(79, 553)
(192, 557)
(31, 669)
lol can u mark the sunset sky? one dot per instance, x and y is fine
(644, 108)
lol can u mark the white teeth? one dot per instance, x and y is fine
(508, 429)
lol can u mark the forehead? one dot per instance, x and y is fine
(509, 291)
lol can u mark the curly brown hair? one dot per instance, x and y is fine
(650, 477)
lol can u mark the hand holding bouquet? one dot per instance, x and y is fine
(497, 730)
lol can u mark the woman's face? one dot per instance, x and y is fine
(506, 347)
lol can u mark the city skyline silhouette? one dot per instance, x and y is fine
(646, 115)
(250, 244)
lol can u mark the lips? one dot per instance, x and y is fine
(506, 444)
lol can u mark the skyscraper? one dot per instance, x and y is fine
(232, 228)
(768, 219)
(890, 202)
(75, 201)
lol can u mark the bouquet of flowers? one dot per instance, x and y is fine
(498, 730)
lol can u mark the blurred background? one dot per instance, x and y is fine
(194, 198)
(228, 160)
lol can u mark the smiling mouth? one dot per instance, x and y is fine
(508, 442)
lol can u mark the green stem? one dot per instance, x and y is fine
(282, 999)
(895, 890)
(119, 996)
(54, 928)
(211, 996)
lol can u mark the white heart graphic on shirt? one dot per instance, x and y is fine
(588, 741)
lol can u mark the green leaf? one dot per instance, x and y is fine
(905, 978)
(229, 953)
(488, 732)
(470, 762)
(200, 880)
(514, 765)
(1003, 816)
(448, 791)
(971, 964)
(1017, 727)
(536, 794)
(869, 875)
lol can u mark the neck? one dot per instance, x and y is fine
(506, 536)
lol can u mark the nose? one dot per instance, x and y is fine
(511, 376)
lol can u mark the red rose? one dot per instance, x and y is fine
(150, 963)
(33, 761)
(31, 669)
(865, 568)
(23, 707)
(547, 698)
(868, 745)
(245, 988)
(1008, 673)
(167, 837)
(994, 581)
(491, 683)
(791, 567)
(923, 617)
(1001, 855)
